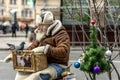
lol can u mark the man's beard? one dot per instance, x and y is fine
(40, 35)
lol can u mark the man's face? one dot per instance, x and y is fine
(43, 27)
(40, 32)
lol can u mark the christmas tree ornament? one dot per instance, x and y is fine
(81, 59)
(77, 64)
(111, 62)
(96, 69)
(92, 22)
(108, 53)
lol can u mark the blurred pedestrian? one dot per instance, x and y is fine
(22, 27)
(26, 30)
(14, 29)
(4, 29)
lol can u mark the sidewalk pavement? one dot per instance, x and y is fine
(18, 33)
(75, 53)
(6, 38)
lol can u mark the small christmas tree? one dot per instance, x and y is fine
(94, 61)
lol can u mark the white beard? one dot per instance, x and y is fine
(40, 35)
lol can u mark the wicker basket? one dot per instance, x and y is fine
(28, 61)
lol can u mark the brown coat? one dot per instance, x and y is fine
(59, 46)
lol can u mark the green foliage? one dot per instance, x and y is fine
(76, 14)
(86, 17)
(93, 39)
(95, 55)
(114, 2)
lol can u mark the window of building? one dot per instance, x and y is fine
(1, 12)
(12, 1)
(26, 13)
(71, 12)
(24, 2)
(30, 13)
(1, 1)
(22, 13)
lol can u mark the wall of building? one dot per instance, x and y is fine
(40, 4)
(49, 5)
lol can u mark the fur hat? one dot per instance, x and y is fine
(46, 17)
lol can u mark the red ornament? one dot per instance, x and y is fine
(92, 22)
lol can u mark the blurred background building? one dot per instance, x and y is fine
(24, 13)
(74, 14)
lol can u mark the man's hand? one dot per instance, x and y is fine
(39, 49)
